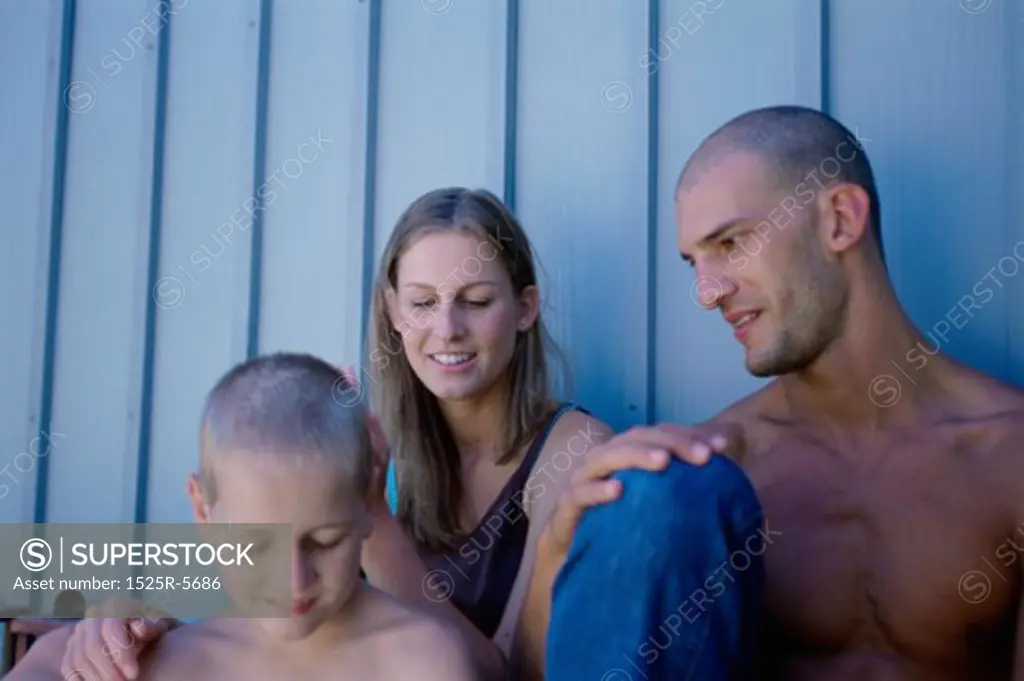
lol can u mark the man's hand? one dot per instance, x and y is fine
(108, 642)
(647, 448)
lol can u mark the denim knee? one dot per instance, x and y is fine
(686, 493)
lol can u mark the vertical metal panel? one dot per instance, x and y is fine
(653, 198)
(582, 190)
(511, 100)
(1013, 196)
(370, 167)
(259, 177)
(442, 91)
(103, 264)
(312, 272)
(727, 57)
(141, 502)
(930, 92)
(53, 285)
(32, 135)
(203, 290)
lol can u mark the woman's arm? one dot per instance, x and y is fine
(529, 610)
(393, 565)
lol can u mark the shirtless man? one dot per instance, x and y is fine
(276, 447)
(896, 496)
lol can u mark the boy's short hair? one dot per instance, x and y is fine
(286, 405)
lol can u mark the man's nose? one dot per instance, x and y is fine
(712, 286)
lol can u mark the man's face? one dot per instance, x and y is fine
(755, 245)
(328, 522)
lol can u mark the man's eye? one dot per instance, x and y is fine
(479, 303)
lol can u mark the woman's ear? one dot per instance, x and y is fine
(529, 307)
(391, 306)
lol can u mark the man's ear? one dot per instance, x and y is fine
(200, 509)
(529, 308)
(847, 213)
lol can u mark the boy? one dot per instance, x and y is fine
(277, 447)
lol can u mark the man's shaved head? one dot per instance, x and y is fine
(796, 142)
(289, 407)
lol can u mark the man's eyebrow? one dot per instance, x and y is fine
(724, 227)
(716, 233)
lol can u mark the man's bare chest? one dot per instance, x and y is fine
(904, 547)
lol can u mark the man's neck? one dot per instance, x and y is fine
(865, 379)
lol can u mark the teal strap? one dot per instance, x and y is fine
(392, 486)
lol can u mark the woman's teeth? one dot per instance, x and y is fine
(453, 358)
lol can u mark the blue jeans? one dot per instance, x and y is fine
(664, 584)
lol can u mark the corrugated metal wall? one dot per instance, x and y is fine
(136, 135)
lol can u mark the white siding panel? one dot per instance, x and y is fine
(103, 270)
(29, 38)
(313, 243)
(442, 100)
(202, 294)
(582, 190)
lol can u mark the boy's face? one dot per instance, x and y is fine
(329, 522)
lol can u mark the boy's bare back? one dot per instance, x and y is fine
(382, 639)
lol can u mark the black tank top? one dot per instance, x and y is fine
(483, 568)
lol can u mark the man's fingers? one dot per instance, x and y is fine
(725, 437)
(603, 464)
(577, 499)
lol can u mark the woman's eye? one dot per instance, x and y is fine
(422, 303)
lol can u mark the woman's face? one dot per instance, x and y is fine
(454, 307)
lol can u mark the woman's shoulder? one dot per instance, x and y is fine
(573, 431)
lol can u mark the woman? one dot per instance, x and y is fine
(460, 383)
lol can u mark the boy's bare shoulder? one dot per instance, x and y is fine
(43, 660)
(187, 653)
(433, 649)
